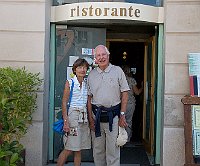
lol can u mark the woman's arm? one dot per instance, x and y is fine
(136, 90)
(65, 99)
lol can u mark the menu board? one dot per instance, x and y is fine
(196, 129)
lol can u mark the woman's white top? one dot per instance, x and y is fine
(79, 95)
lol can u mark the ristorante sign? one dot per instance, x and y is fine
(107, 10)
(104, 12)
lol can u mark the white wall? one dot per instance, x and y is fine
(182, 35)
(22, 43)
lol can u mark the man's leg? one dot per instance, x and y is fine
(112, 151)
(99, 152)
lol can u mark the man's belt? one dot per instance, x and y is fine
(110, 113)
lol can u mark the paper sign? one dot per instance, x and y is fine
(196, 142)
(69, 73)
(194, 64)
(72, 59)
(196, 116)
(87, 51)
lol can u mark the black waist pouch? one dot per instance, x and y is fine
(104, 117)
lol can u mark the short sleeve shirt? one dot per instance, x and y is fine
(131, 82)
(106, 86)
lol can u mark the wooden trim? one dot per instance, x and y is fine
(152, 97)
(149, 143)
(188, 101)
(144, 101)
(191, 100)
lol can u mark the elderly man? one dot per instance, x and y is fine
(107, 100)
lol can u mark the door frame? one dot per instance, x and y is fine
(159, 98)
(149, 142)
(160, 80)
(51, 89)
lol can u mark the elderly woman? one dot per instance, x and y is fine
(77, 131)
(131, 99)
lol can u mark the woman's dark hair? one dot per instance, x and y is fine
(79, 62)
(127, 70)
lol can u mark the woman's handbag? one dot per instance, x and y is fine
(58, 126)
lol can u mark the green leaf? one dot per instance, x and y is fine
(3, 163)
(8, 153)
(14, 158)
(17, 100)
(14, 143)
(2, 154)
(5, 153)
(13, 165)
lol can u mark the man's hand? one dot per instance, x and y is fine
(122, 121)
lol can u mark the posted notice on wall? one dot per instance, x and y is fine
(87, 51)
(194, 64)
(69, 73)
(194, 73)
(72, 59)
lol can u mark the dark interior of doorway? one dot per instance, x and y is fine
(134, 57)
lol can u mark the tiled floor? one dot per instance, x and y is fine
(92, 164)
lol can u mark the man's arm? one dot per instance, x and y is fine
(124, 100)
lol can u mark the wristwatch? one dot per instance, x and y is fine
(122, 113)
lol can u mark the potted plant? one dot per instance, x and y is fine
(18, 93)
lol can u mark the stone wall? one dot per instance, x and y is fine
(182, 35)
(22, 30)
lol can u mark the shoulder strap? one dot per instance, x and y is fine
(71, 92)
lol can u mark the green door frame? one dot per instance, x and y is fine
(160, 96)
(51, 89)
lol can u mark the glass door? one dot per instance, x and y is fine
(70, 44)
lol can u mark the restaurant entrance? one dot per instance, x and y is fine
(134, 46)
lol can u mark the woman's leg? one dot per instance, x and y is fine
(77, 158)
(63, 157)
(129, 116)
